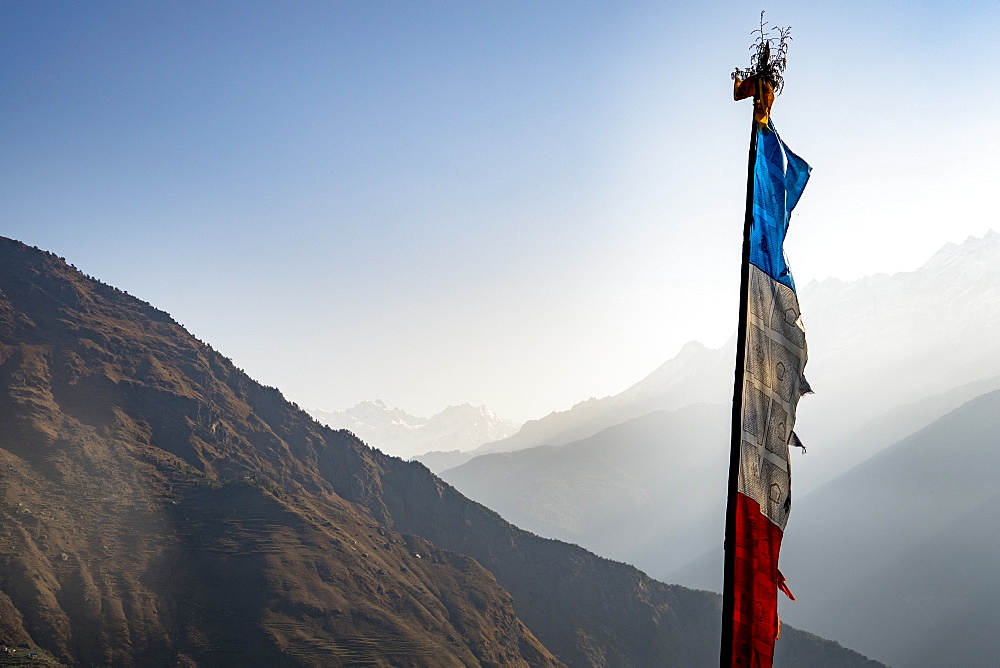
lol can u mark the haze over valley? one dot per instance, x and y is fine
(640, 476)
(651, 490)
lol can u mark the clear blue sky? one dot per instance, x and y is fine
(522, 204)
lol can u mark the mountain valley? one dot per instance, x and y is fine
(159, 507)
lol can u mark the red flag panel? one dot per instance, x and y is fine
(755, 607)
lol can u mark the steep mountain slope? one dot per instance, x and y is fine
(396, 432)
(615, 614)
(161, 508)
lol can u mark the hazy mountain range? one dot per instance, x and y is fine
(396, 432)
(898, 556)
(883, 343)
(888, 356)
(696, 374)
(159, 507)
(650, 491)
(875, 345)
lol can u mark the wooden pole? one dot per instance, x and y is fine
(728, 587)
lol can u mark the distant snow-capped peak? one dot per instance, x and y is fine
(396, 432)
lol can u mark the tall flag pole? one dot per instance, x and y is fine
(770, 357)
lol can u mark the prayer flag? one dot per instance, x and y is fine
(774, 355)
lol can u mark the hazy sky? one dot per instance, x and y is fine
(517, 204)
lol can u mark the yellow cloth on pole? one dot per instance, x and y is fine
(763, 96)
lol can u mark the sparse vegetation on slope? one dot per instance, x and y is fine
(161, 508)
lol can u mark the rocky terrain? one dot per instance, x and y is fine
(159, 507)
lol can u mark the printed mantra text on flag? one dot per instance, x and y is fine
(775, 355)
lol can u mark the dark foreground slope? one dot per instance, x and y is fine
(158, 507)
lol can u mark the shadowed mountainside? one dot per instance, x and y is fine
(919, 523)
(161, 508)
(898, 556)
(651, 491)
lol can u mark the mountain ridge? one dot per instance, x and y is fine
(864, 324)
(394, 431)
(931, 500)
(160, 507)
(911, 537)
(614, 492)
(693, 376)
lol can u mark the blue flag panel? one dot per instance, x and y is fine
(780, 176)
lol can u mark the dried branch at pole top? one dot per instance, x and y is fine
(769, 55)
